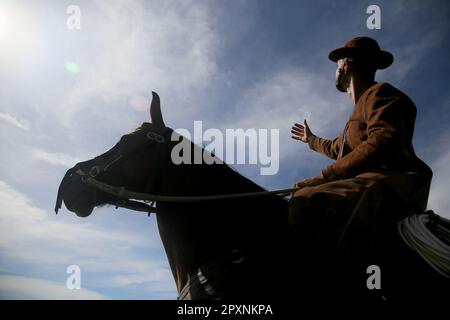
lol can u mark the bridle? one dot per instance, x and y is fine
(125, 195)
(105, 165)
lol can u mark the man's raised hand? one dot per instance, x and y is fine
(301, 132)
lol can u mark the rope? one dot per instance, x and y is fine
(419, 238)
(121, 192)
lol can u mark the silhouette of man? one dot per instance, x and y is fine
(375, 168)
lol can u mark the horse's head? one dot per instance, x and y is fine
(131, 163)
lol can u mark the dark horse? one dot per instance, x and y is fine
(235, 248)
(216, 249)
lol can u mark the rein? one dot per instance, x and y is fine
(123, 193)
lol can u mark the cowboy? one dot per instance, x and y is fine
(376, 177)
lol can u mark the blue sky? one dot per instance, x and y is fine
(231, 64)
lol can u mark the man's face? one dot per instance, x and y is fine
(342, 75)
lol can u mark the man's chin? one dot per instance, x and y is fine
(339, 87)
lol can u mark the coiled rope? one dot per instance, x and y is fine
(415, 232)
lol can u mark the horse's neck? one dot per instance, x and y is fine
(201, 178)
(196, 233)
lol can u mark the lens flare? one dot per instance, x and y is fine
(72, 67)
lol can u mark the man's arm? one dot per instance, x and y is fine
(329, 148)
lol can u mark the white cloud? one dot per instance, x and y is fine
(21, 220)
(133, 279)
(55, 158)
(124, 51)
(19, 123)
(291, 95)
(413, 49)
(140, 46)
(31, 236)
(18, 287)
(288, 96)
(408, 56)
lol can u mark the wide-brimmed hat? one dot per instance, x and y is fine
(365, 48)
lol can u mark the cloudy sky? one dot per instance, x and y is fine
(69, 95)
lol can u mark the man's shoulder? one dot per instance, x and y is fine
(383, 94)
(385, 90)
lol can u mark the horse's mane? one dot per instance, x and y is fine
(223, 170)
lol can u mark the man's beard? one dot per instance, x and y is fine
(339, 80)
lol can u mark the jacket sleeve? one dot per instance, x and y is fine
(383, 116)
(329, 148)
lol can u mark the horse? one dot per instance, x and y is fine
(223, 247)
(216, 249)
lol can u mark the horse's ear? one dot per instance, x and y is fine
(155, 111)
